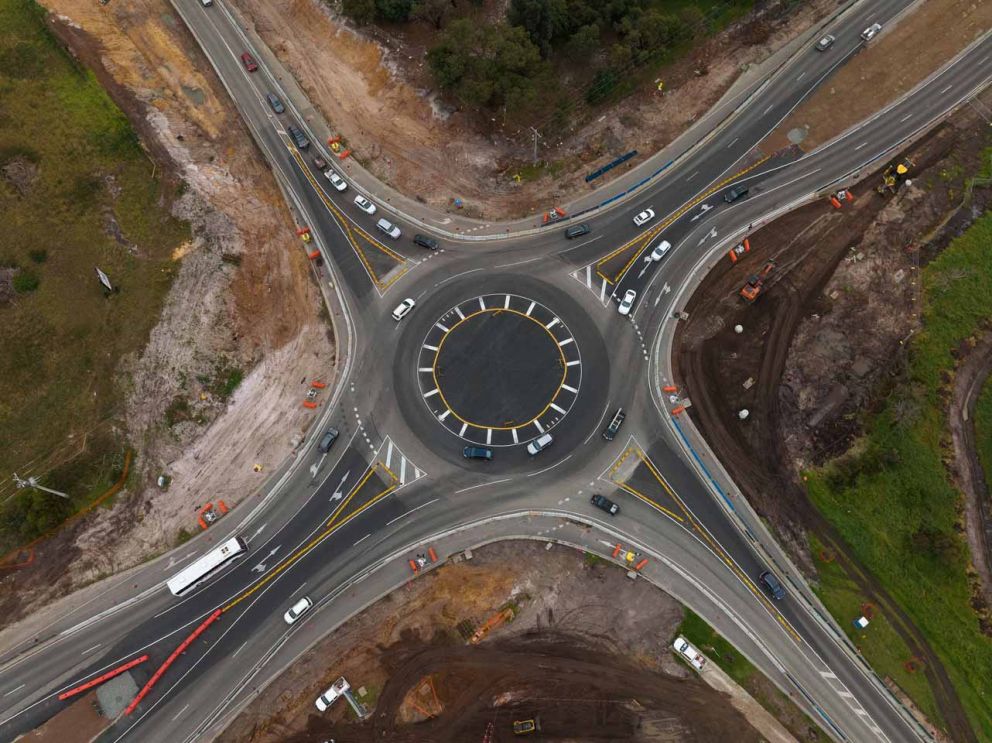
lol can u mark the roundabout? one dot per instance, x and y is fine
(499, 369)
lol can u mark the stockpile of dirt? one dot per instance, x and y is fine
(373, 88)
(243, 306)
(586, 650)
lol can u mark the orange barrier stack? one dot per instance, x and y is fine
(677, 411)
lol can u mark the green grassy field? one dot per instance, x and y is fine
(890, 497)
(62, 339)
(695, 629)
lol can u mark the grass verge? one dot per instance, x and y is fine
(695, 629)
(76, 193)
(890, 497)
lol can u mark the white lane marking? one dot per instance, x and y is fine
(482, 303)
(546, 469)
(768, 109)
(515, 439)
(15, 690)
(458, 311)
(441, 327)
(599, 425)
(733, 143)
(553, 322)
(905, 118)
(801, 76)
(519, 263)
(425, 369)
(602, 293)
(85, 652)
(863, 144)
(430, 348)
(362, 539)
(589, 276)
(183, 709)
(489, 436)
(444, 415)
(404, 515)
(539, 426)
(240, 648)
(946, 89)
(484, 484)
(432, 392)
(569, 388)
(566, 341)
(506, 304)
(402, 470)
(389, 453)
(692, 176)
(531, 308)
(464, 428)
(559, 409)
(573, 363)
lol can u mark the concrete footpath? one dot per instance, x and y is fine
(760, 718)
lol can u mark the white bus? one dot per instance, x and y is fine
(187, 578)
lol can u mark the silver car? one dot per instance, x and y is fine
(298, 609)
(627, 303)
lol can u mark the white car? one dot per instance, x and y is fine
(403, 309)
(365, 205)
(825, 43)
(539, 444)
(328, 698)
(298, 609)
(336, 180)
(659, 252)
(687, 651)
(644, 217)
(627, 303)
(871, 32)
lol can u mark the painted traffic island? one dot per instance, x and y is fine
(499, 369)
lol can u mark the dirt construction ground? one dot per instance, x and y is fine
(587, 652)
(803, 366)
(243, 297)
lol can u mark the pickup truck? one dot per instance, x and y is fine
(687, 651)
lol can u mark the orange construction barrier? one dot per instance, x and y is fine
(432, 554)
(343, 154)
(678, 410)
(310, 405)
(641, 564)
(302, 231)
(222, 507)
(670, 388)
(314, 255)
(616, 550)
(836, 204)
(105, 677)
(318, 384)
(334, 140)
(413, 566)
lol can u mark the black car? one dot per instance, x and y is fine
(477, 452)
(611, 430)
(737, 192)
(601, 501)
(773, 585)
(577, 230)
(319, 162)
(275, 103)
(425, 242)
(299, 139)
(328, 441)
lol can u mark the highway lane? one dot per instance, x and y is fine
(366, 368)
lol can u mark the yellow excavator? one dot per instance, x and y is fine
(894, 175)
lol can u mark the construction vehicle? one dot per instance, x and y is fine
(755, 282)
(503, 615)
(894, 175)
(526, 727)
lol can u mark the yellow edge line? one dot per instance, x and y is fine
(654, 233)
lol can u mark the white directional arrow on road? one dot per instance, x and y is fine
(260, 568)
(702, 210)
(711, 233)
(258, 531)
(338, 494)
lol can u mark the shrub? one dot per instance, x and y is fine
(26, 281)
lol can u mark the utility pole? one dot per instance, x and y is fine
(536, 137)
(33, 483)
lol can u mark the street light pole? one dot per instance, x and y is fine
(32, 482)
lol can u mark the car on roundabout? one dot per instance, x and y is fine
(627, 303)
(660, 250)
(539, 444)
(601, 501)
(403, 309)
(478, 452)
(644, 217)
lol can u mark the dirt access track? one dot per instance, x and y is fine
(587, 651)
(803, 367)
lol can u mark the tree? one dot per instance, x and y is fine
(361, 12)
(434, 12)
(584, 42)
(487, 66)
(543, 20)
(394, 11)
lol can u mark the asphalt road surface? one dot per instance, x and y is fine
(342, 528)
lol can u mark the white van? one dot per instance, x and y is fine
(389, 228)
(207, 3)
